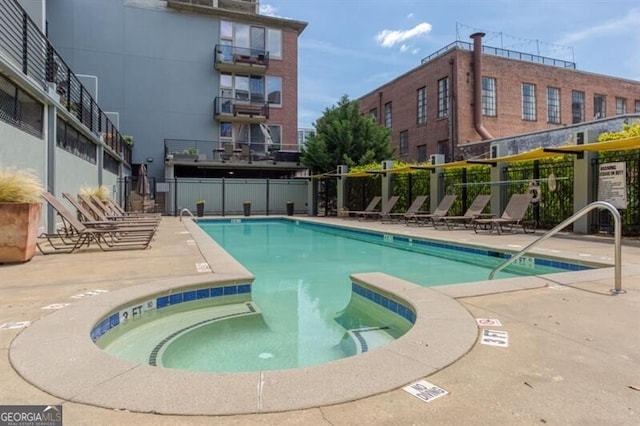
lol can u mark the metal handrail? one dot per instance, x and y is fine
(185, 210)
(617, 241)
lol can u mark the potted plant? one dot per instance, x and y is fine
(200, 208)
(20, 212)
(289, 208)
(247, 208)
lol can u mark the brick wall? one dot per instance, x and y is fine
(287, 68)
(509, 75)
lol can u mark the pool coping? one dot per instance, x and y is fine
(57, 355)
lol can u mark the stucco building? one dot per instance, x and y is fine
(204, 86)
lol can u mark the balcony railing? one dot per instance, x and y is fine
(231, 58)
(23, 44)
(197, 151)
(504, 53)
(245, 110)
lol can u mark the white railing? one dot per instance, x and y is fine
(617, 241)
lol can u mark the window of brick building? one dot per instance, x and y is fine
(274, 90)
(599, 106)
(621, 106)
(528, 102)
(373, 113)
(553, 105)
(404, 143)
(443, 97)
(489, 107)
(637, 106)
(422, 153)
(387, 115)
(443, 148)
(422, 105)
(577, 107)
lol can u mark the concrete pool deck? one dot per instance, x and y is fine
(573, 355)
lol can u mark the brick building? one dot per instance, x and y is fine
(433, 108)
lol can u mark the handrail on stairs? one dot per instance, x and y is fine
(617, 232)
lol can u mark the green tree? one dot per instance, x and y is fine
(344, 136)
(628, 131)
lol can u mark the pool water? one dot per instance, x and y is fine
(304, 313)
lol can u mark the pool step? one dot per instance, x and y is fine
(369, 338)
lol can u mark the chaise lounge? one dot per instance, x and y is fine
(512, 217)
(473, 212)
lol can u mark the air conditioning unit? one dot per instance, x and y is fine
(343, 169)
(585, 136)
(387, 165)
(498, 150)
(436, 159)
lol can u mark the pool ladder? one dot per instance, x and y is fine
(185, 210)
(617, 232)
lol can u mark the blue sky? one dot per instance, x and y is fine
(353, 46)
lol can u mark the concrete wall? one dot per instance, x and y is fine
(154, 67)
(21, 150)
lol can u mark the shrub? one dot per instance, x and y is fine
(19, 186)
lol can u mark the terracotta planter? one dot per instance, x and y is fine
(19, 223)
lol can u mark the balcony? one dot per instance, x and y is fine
(240, 110)
(241, 60)
(238, 153)
(204, 6)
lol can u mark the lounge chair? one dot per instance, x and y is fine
(386, 209)
(512, 217)
(99, 215)
(371, 207)
(116, 209)
(440, 211)
(91, 216)
(110, 212)
(85, 217)
(474, 211)
(74, 234)
(413, 209)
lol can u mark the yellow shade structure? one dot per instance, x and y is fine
(616, 145)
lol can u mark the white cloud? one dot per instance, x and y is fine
(410, 15)
(415, 51)
(267, 10)
(404, 48)
(388, 38)
(335, 51)
(629, 22)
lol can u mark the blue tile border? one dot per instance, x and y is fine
(159, 302)
(388, 303)
(402, 241)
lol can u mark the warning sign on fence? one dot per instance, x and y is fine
(612, 184)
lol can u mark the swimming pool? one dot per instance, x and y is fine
(56, 354)
(305, 310)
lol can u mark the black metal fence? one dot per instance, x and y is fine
(554, 206)
(360, 191)
(408, 186)
(466, 183)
